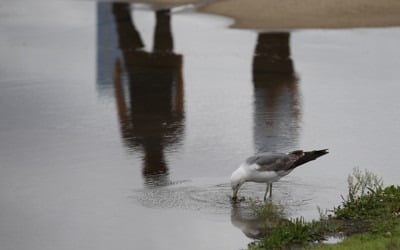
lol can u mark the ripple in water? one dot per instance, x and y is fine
(187, 195)
(212, 196)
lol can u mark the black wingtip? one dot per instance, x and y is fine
(321, 152)
(310, 156)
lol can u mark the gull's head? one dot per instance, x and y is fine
(237, 180)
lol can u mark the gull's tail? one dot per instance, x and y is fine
(308, 156)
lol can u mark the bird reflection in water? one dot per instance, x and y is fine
(277, 107)
(151, 113)
(245, 218)
(256, 220)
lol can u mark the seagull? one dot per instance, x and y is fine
(269, 167)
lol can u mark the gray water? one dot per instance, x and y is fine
(119, 129)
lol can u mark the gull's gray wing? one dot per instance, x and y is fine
(272, 161)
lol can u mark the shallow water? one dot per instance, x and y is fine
(119, 129)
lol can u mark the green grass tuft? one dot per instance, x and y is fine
(368, 207)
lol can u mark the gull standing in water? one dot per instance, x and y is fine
(270, 167)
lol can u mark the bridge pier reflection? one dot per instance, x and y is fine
(277, 105)
(148, 91)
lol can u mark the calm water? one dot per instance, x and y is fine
(120, 125)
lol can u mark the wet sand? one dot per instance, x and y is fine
(293, 14)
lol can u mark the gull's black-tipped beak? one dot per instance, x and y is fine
(234, 195)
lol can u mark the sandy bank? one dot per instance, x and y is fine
(291, 14)
(296, 14)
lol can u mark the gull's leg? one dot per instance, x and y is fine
(266, 192)
(270, 190)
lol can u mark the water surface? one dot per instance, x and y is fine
(121, 124)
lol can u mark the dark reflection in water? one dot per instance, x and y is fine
(148, 89)
(277, 107)
(245, 218)
(257, 220)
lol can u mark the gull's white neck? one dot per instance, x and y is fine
(240, 174)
